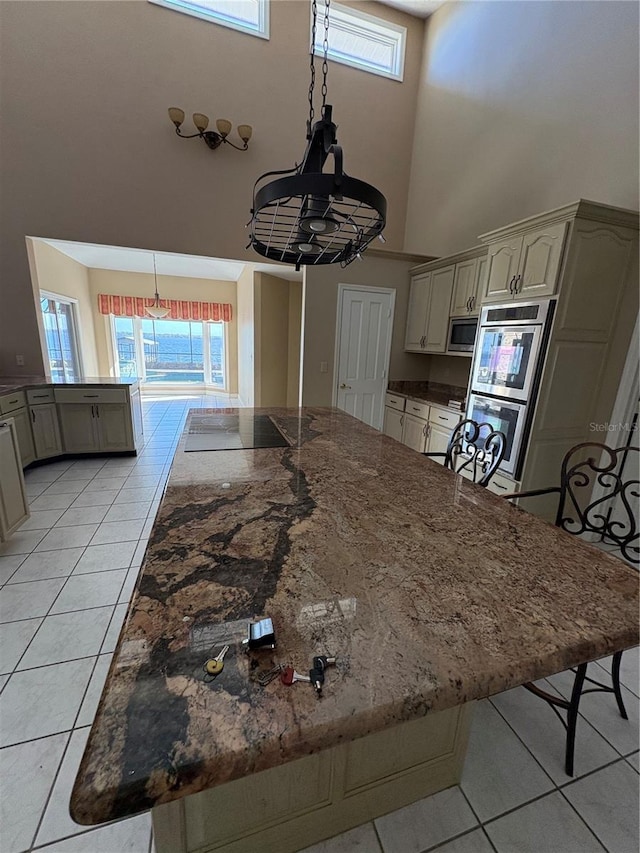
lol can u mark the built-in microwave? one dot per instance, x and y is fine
(462, 335)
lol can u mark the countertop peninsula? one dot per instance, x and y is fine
(430, 591)
(8, 384)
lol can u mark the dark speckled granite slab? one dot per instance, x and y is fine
(430, 591)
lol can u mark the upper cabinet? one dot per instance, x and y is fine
(441, 289)
(467, 286)
(524, 265)
(428, 312)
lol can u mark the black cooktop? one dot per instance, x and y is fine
(232, 432)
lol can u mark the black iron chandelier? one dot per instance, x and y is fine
(308, 216)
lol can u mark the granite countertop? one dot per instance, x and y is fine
(430, 591)
(23, 383)
(429, 392)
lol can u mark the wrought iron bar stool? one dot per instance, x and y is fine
(594, 498)
(476, 448)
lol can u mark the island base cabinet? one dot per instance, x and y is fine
(306, 801)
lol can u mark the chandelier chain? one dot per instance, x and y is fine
(314, 8)
(325, 50)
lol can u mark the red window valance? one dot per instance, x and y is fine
(134, 306)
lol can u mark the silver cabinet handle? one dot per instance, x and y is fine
(415, 408)
(511, 283)
(90, 396)
(39, 396)
(498, 486)
(443, 418)
(518, 289)
(33, 416)
(473, 302)
(342, 385)
(98, 411)
(401, 420)
(424, 430)
(11, 402)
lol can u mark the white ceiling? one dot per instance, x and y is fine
(419, 8)
(96, 256)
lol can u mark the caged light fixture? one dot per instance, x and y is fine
(157, 311)
(214, 140)
(310, 216)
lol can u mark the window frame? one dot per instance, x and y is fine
(74, 332)
(356, 15)
(213, 17)
(138, 335)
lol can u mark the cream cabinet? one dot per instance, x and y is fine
(417, 312)
(428, 312)
(468, 286)
(99, 420)
(414, 433)
(46, 430)
(96, 427)
(15, 405)
(393, 423)
(525, 266)
(438, 440)
(14, 506)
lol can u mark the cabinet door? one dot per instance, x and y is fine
(78, 425)
(464, 287)
(540, 262)
(414, 433)
(417, 312)
(437, 328)
(502, 267)
(46, 431)
(114, 426)
(393, 422)
(438, 440)
(25, 437)
(479, 286)
(14, 507)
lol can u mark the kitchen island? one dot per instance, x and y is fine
(430, 591)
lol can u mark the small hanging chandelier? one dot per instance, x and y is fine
(310, 216)
(156, 310)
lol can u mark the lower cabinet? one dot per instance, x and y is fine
(502, 485)
(96, 427)
(393, 423)
(414, 434)
(46, 431)
(438, 439)
(14, 506)
(25, 436)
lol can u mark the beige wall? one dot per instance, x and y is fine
(449, 369)
(61, 275)
(272, 295)
(246, 337)
(523, 107)
(321, 295)
(295, 331)
(88, 153)
(170, 287)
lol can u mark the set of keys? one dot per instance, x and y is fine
(214, 666)
(289, 675)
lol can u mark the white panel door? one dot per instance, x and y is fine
(365, 325)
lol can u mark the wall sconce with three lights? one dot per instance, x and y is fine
(214, 140)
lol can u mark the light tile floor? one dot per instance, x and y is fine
(65, 582)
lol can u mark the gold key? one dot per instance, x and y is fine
(214, 666)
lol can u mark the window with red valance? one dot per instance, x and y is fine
(179, 309)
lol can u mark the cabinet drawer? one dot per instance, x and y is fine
(444, 418)
(501, 485)
(420, 410)
(90, 395)
(10, 402)
(394, 401)
(35, 396)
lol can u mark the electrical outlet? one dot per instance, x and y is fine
(20, 360)
(324, 367)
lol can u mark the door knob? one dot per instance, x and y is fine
(342, 385)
